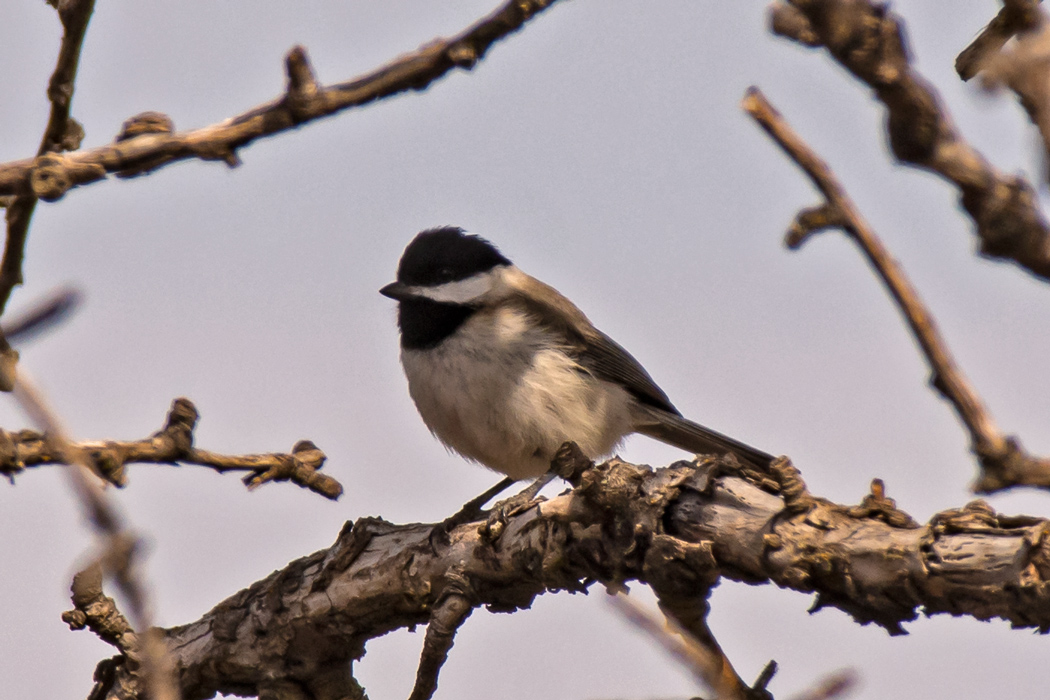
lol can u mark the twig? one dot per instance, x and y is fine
(446, 619)
(1002, 460)
(704, 658)
(54, 308)
(834, 685)
(1016, 16)
(173, 444)
(142, 150)
(868, 40)
(61, 134)
(1024, 69)
(98, 612)
(119, 543)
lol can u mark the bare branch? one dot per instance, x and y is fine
(173, 444)
(44, 314)
(142, 151)
(701, 655)
(98, 612)
(448, 616)
(1003, 461)
(835, 685)
(1016, 16)
(692, 522)
(868, 40)
(61, 134)
(1024, 69)
(119, 552)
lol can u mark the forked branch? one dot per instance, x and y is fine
(150, 142)
(867, 39)
(1003, 461)
(61, 134)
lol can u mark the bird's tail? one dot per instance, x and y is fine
(692, 437)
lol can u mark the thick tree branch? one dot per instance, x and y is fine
(692, 522)
(61, 134)
(173, 445)
(868, 40)
(141, 150)
(1003, 461)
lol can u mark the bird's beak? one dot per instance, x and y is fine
(397, 290)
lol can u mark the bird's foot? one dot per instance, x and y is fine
(471, 511)
(509, 507)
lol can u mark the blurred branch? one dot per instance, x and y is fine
(834, 685)
(1002, 460)
(61, 134)
(1015, 17)
(701, 655)
(305, 625)
(173, 445)
(44, 314)
(149, 141)
(1024, 69)
(868, 40)
(119, 550)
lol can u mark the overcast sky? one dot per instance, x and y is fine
(603, 149)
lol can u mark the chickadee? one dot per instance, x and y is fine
(504, 369)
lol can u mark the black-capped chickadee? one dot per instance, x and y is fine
(504, 369)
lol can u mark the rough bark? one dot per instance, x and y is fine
(680, 529)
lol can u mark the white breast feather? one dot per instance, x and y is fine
(490, 394)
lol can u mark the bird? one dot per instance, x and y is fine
(504, 369)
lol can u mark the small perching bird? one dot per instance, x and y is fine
(505, 370)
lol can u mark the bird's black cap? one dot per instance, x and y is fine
(446, 254)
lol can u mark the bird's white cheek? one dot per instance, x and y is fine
(465, 291)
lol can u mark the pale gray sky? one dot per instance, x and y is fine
(604, 150)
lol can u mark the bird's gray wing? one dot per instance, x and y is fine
(607, 359)
(603, 357)
(657, 418)
(593, 350)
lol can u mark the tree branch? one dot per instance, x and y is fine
(140, 150)
(448, 616)
(699, 653)
(148, 659)
(173, 445)
(1003, 462)
(1016, 16)
(94, 610)
(61, 134)
(314, 617)
(1024, 69)
(868, 40)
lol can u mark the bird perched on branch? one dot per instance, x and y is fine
(505, 370)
